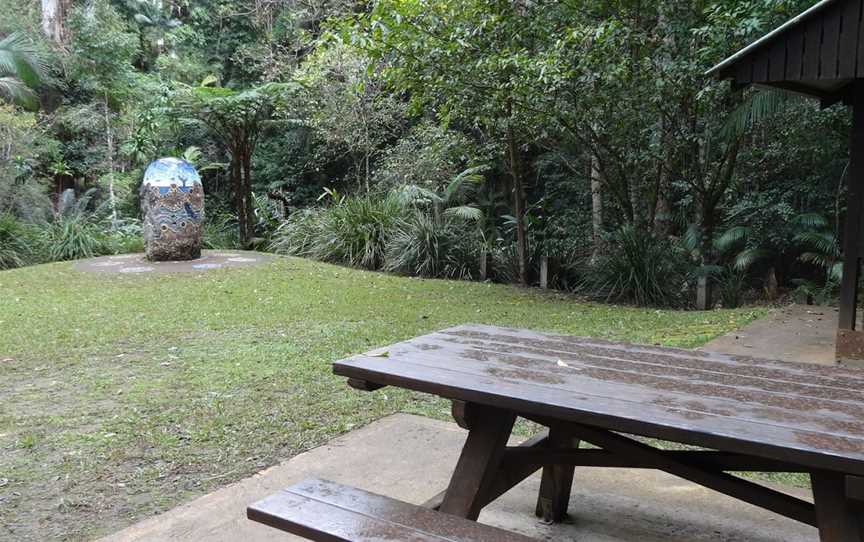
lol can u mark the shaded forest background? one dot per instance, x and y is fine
(575, 145)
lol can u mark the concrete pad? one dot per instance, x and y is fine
(793, 333)
(138, 264)
(411, 458)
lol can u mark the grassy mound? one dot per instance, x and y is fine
(125, 395)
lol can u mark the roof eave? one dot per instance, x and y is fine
(795, 21)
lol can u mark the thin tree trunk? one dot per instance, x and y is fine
(704, 288)
(662, 210)
(109, 140)
(518, 204)
(596, 204)
(239, 199)
(245, 212)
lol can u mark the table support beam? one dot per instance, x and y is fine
(744, 490)
(509, 475)
(706, 459)
(557, 481)
(478, 464)
(838, 518)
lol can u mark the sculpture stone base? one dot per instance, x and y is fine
(174, 247)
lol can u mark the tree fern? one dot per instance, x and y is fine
(22, 69)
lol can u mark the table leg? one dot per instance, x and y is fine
(478, 464)
(557, 480)
(836, 516)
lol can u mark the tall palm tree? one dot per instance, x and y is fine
(22, 69)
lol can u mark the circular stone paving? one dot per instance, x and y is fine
(136, 264)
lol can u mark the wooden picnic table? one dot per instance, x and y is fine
(739, 414)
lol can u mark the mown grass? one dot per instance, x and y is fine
(125, 395)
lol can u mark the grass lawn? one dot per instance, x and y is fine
(123, 396)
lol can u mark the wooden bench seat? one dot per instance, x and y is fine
(326, 511)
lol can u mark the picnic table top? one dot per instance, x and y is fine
(800, 413)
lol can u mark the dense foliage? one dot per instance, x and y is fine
(574, 144)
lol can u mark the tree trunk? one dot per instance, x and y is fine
(704, 286)
(239, 198)
(518, 204)
(245, 213)
(596, 205)
(109, 140)
(54, 19)
(662, 210)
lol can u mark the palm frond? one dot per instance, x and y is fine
(465, 212)
(759, 106)
(747, 257)
(464, 182)
(731, 237)
(692, 238)
(19, 58)
(15, 91)
(411, 194)
(810, 220)
(822, 242)
(815, 258)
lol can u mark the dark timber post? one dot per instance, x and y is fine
(850, 342)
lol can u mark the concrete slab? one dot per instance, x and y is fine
(793, 333)
(411, 458)
(137, 264)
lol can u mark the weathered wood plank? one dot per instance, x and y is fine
(761, 67)
(730, 364)
(812, 47)
(808, 448)
(796, 413)
(326, 511)
(830, 43)
(650, 365)
(794, 56)
(746, 404)
(777, 60)
(744, 71)
(859, 61)
(848, 49)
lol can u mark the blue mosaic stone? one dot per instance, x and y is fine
(172, 199)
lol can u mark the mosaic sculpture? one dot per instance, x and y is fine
(172, 199)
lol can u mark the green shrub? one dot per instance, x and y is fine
(71, 238)
(298, 233)
(15, 242)
(637, 267)
(730, 288)
(220, 232)
(76, 231)
(353, 231)
(126, 237)
(505, 260)
(423, 246)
